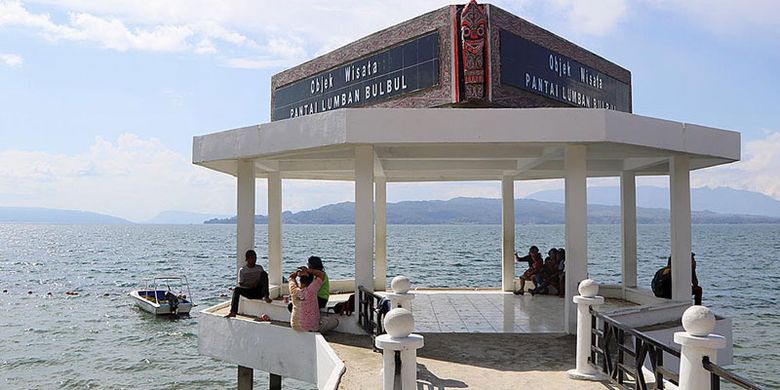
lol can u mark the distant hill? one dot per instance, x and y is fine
(181, 217)
(720, 200)
(55, 216)
(488, 211)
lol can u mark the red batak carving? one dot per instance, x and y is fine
(473, 25)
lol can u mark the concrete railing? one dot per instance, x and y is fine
(271, 348)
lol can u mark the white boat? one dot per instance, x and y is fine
(165, 295)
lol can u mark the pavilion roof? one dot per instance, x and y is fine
(447, 144)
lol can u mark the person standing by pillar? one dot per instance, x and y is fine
(696, 289)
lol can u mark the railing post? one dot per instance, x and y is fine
(587, 298)
(399, 324)
(400, 296)
(696, 343)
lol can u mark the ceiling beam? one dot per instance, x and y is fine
(458, 151)
(379, 170)
(447, 165)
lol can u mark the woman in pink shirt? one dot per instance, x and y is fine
(306, 310)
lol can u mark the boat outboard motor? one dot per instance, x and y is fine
(173, 302)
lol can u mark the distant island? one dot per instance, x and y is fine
(176, 217)
(56, 216)
(722, 200)
(488, 211)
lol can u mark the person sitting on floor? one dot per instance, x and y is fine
(561, 272)
(252, 283)
(304, 285)
(535, 264)
(323, 295)
(662, 281)
(548, 275)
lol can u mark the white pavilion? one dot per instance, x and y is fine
(374, 146)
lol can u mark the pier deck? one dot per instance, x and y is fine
(472, 361)
(491, 311)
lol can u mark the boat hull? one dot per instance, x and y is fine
(161, 307)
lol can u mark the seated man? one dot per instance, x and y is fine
(252, 283)
(535, 264)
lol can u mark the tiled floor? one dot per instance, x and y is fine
(489, 312)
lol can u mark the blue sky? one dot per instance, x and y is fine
(99, 100)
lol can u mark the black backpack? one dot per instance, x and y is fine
(662, 283)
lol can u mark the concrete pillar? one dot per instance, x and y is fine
(508, 312)
(364, 217)
(508, 233)
(680, 202)
(697, 342)
(275, 229)
(274, 382)
(588, 297)
(576, 228)
(628, 228)
(380, 213)
(245, 236)
(245, 215)
(388, 371)
(245, 378)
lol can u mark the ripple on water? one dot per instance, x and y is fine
(26, 362)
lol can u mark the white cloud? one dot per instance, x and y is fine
(758, 171)
(131, 177)
(247, 34)
(113, 34)
(595, 17)
(11, 60)
(109, 33)
(277, 53)
(122, 33)
(206, 46)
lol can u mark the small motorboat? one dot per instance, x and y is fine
(165, 296)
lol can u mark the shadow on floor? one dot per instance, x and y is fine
(502, 351)
(497, 351)
(427, 380)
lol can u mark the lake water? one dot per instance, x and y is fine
(98, 339)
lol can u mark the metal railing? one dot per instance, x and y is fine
(369, 318)
(621, 351)
(717, 373)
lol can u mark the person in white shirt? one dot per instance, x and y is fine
(252, 283)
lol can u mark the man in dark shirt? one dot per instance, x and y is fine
(663, 281)
(252, 283)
